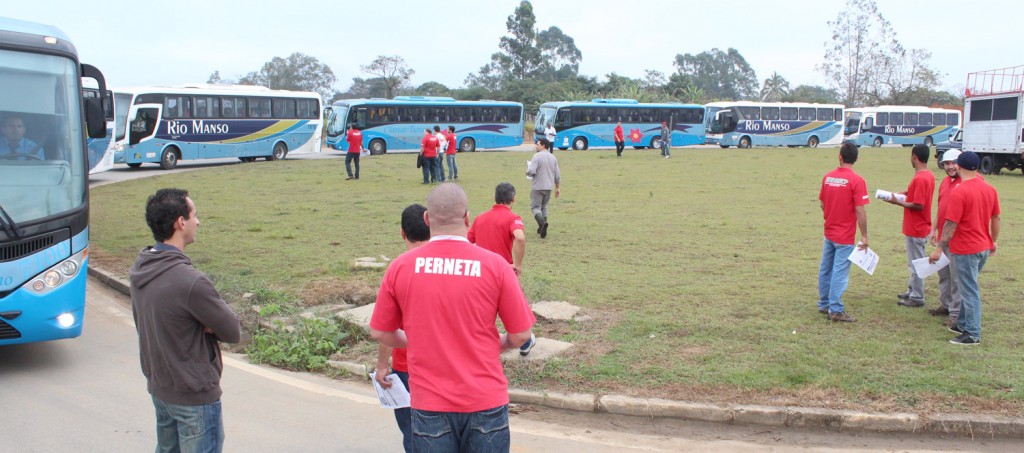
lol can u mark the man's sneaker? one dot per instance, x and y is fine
(904, 295)
(956, 329)
(910, 303)
(939, 311)
(544, 230)
(348, 178)
(822, 311)
(965, 339)
(525, 349)
(841, 317)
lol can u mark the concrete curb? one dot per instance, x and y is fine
(974, 426)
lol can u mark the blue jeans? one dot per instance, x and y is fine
(967, 269)
(453, 170)
(833, 275)
(349, 157)
(188, 429)
(404, 415)
(439, 162)
(483, 431)
(428, 170)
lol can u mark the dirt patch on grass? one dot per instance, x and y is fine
(334, 291)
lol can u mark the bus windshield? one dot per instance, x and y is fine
(544, 116)
(121, 103)
(42, 166)
(336, 123)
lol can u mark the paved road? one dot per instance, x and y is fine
(87, 394)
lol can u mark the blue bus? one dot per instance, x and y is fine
(746, 124)
(167, 124)
(399, 123)
(584, 125)
(44, 196)
(900, 125)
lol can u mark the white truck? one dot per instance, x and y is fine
(993, 118)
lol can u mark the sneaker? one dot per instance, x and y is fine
(822, 311)
(955, 329)
(904, 295)
(525, 349)
(910, 303)
(544, 230)
(841, 317)
(348, 178)
(965, 339)
(939, 311)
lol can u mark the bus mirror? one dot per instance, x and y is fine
(95, 121)
(327, 112)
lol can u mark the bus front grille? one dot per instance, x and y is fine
(25, 247)
(8, 332)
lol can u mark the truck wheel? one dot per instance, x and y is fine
(988, 165)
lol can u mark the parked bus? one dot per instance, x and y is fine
(745, 124)
(169, 124)
(584, 125)
(399, 123)
(900, 125)
(101, 150)
(44, 197)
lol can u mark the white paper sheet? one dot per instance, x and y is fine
(395, 397)
(886, 195)
(924, 268)
(865, 259)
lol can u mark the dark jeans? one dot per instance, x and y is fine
(439, 168)
(404, 415)
(483, 431)
(429, 174)
(618, 147)
(349, 157)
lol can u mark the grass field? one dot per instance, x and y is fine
(698, 273)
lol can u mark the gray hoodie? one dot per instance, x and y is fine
(172, 303)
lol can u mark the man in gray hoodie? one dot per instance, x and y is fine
(181, 319)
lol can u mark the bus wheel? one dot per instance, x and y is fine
(579, 143)
(744, 143)
(279, 153)
(135, 165)
(928, 142)
(812, 142)
(467, 145)
(988, 165)
(169, 159)
(378, 147)
(877, 143)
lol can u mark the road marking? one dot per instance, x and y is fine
(297, 383)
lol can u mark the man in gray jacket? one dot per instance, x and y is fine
(181, 319)
(546, 176)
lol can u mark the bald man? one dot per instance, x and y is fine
(453, 346)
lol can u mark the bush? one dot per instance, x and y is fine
(305, 347)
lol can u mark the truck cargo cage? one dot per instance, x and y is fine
(995, 81)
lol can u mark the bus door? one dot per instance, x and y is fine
(143, 123)
(563, 121)
(725, 121)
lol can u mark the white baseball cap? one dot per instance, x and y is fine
(950, 155)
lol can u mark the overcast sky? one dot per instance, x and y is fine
(175, 42)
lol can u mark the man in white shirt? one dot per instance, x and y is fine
(442, 146)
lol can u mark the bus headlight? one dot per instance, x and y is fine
(52, 278)
(58, 274)
(69, 268)
(66, 320)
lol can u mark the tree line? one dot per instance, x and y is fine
(864, 64)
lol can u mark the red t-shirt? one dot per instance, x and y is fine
(918, 224)
(355, 141)
(972, 206)
(399, 361)
(618, 134)
(452, 145)
(430, 145)
(842, 191)
(446, 295)
(493, 230)
(945, 187)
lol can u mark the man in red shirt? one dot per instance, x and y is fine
(500, 230)
(453, 346)
(949, 294)
(415, 233)
(917, 221)
(971, 230)
(428, 148)
(453, 147)
(843, 196)
(355, 146)
(619, 139)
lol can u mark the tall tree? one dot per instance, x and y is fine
(908, 73)
(858, 54)
(521, 57)
(560, 56)
(720, 75)
(774, 88)
(298, 72)
(432, 89)
(364, 89)
(393, 70)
